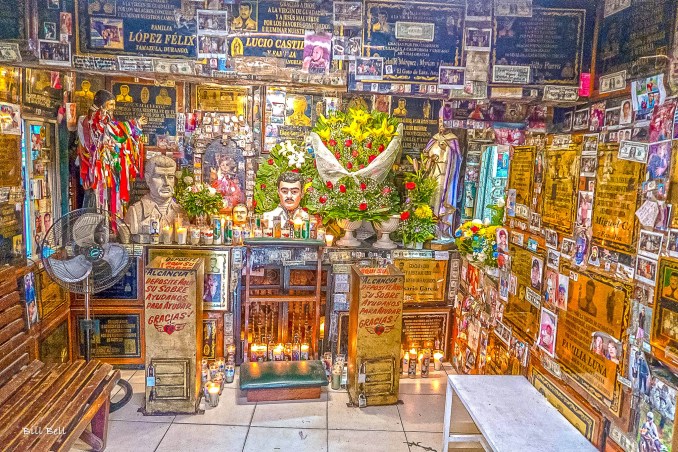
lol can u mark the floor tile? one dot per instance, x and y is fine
(366, 441)
(424, 441)
(265, 439)
(203, 438)
(305, 414)
(230, 411)
(130, 412)
(435, 384)
(342, 417)
(422, 413)
(137, 436)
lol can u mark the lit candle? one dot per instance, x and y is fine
(412, 364)
(298, 224)
(279, 353)
(329, 238)
(438, 360)
(257, 353)
(304, 352)
(166, 235)
(322, 330)
(213, 394)
(181, 235)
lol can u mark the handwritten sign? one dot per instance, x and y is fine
(551, 43)
(157, 103)
(614, 208)
(559, 189)
(389, 28)
(425, 279)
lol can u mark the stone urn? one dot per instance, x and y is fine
(349, 227)
(384, 229)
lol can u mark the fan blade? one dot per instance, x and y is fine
(71, 270)
(85, 228)
(116, 256)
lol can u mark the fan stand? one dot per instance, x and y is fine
(87, 324)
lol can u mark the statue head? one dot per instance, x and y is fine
(104, 100)
(290, 190)
(159, 174)
(240, 214)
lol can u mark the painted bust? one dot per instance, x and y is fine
(290, 192)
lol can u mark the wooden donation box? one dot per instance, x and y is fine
(173, 316)
(375, 327)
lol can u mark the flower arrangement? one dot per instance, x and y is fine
(286, 156)
(418, 222)
(351, 199)
(356, 138)
(478, 241)
(198, 200)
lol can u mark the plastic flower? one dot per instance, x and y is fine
(363, 186)
(410, 185)
(362, 206)
(424, 212)
(359, 116)
(342, 188)
(330, 185)
(387, 131)
(325, 134)
(270, 161)
(405, 215)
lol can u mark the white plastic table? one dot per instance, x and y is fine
(511, 415)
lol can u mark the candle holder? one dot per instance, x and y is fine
(230, 373)
(213, 394)
(438, 360)
(182, 235)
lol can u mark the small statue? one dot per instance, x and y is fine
(290, 192)
(444, 148)
(158, 205)
(240, 215)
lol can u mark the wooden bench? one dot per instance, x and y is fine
(282, 380)
(46, 406)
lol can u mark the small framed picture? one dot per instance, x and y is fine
(451, 77)
(581, 119)
(672, 243)
(478, 39)
(650, 244)
(551, 238)
(646, 270)
(369, 68)
(567, 249)
(552, 259)
(547, 331)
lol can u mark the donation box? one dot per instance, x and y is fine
(173, 289)
(375, 327)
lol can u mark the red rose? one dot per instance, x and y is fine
(361, 166)
(369, 145)
(305, 209)
(363, 186)
(348, 143)
(337, 155)
(371, 158)
(354, 154)
(474, 229)
(349, 165)
(405, 215)
(362, 206)
(263, 186)
(330, 185)
(254, 203)
(295, 170)
(381, 148)
(322, 199)
(342, 188)
(410, 185)
(386, 190)
(270, 161)
(333, 142)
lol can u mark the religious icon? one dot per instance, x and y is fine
(123, 96)
(401, 109)
(299, 116)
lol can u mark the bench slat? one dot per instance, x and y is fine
(19, 380)
(21, 359)
(11, 330)
(8, 300)
(74, 401)
(9, 315)
(16, 409)
(56, 394)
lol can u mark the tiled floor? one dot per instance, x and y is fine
(327, 424)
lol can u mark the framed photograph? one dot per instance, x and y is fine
(581, 119)
(550, 286)
(552, 259)
(646, 271)
(502, 240)
(567, 121)
(536, 273)
(664, 335)
(503, 331)
(585, 208)
(612, 117)
(31, 299)
(650, 244)
(659, 160)
(212, 22)
(369, 68)
(54, 53)
(451, 77)
(517, 238)
(672, 243)
(590, 144)
(588, 165)
(626, 112)
(597, 117)
(606, 346)
(563, 292)
(212, 46)
(346, 48)
(478, 39)
(478, 10)
(551, 237)
(535, 221)
(548, 324)
(348, 14)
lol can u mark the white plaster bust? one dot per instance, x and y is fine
(158, 204)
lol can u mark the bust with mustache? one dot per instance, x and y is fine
(290, 192)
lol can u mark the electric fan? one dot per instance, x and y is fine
(84, 252)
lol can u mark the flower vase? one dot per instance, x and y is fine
(385, 228)
(349, 227)
(414, 245)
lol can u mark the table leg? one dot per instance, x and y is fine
(448, 416)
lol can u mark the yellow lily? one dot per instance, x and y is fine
(325, 134)
(385, 130)
(356, 131)
(360, 116)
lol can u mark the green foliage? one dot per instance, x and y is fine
(419, 224)
(197, 199)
